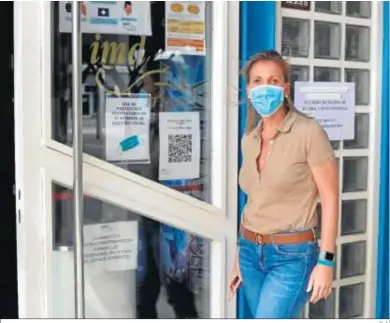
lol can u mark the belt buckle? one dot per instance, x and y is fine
(259, 239)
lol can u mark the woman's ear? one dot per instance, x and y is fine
(287, 92)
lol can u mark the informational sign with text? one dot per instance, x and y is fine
(185, 27)
(179, 145)
(108, 17)
(127, 128)
(332, 104)
(111, 246)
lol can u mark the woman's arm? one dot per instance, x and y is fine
(327, 180)
(322, 163)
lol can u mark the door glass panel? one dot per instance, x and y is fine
(327, 40)
(146, 99)
(361, 78)
(359, 9)
(324, 309)
(333, 7)
(295, 37)
(326, 74)
(134, 267)
(357, 43)
(353, 216)
(298, 73)
(355, 172)
(353, 259)
(351, 301)
(362, 123)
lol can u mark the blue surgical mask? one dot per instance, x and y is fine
(266, 99)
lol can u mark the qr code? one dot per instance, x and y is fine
(179, 148)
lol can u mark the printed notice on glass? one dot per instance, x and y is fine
(185, 27)
(332, 104)
(127, 128)
(179, 145)
(111, 246)
(108, 17)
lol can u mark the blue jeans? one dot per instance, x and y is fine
(275, 277)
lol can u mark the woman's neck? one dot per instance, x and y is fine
(271, 123)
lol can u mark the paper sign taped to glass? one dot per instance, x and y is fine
(179, 145)
(185, 27)
(127, 128)
(332, 104)
(111, 246)
(108, 17)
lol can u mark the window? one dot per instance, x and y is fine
(172, 82)
(332, 43)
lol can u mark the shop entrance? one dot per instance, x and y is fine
(157, 222)
(8, 282)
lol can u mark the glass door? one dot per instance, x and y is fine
(156, 227)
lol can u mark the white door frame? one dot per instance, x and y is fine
(40, 160)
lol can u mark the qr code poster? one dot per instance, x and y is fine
(179, 145)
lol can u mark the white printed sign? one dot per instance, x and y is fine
(111, 246)
(332, 104)
(179, 145)
(108, 17)
(127, 128)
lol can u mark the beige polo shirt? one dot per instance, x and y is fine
(284, 196)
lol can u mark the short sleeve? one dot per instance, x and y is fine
(318, 147)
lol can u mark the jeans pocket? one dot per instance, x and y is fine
(296, 249)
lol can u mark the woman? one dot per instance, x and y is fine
(288, 163)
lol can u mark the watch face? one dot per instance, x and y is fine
(329, 256)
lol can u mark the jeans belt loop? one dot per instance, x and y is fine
(273, 239)
(314, 234)
(259, 238)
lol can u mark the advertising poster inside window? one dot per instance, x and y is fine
(108, 17)
(185, 27)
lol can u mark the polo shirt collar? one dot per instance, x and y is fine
(288, 121)
(284, 127)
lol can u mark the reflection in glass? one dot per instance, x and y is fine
(333, 7)
(137, 66)
(357, 43)
(362, 123)
(361, 78)
(326, 74)
(295, 37)
(353, 216)
(351, 301)
(353, 259)
(134, 267)
(355, 173)
(324, 309)
(298, 73)
(327, 38)
(359, 9)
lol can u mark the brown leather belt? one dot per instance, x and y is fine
(279, 238)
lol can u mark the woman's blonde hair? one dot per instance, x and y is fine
(270, 55)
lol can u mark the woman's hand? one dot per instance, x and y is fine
(320, 283)
(236, 279)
